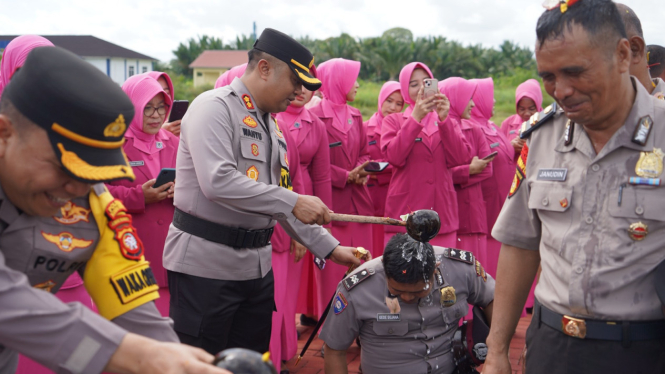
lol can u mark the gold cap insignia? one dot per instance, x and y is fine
(117, 128)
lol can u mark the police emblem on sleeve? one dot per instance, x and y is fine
(72, 213)
(340, 303)
(520, 171)
(120, 222)
(66, 241)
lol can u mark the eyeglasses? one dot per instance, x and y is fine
(161, 110)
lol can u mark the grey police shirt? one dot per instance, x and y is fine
(600, 226)
(419, 337)
(37, 254)
(229, 165)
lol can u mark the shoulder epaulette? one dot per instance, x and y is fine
(459, 255)
(537, 120)
(355, 279)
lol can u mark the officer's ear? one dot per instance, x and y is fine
(265, 68)
(623, 55)
(7, 132)
(637, 49)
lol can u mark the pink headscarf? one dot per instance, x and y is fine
(338, 77)
(387, 89)
(484, 100)
(530, 89)
(141, 89)
(158, 74)
(459, 91)
(15, 54)
(429, 122)
(227, 77)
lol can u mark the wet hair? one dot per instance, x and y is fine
(256, 55)
(630, 20)
(656, 55)
(408, 261)
(599, 18)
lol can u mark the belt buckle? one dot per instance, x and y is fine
(574, 327)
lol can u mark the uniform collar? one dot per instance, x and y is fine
(642, 106)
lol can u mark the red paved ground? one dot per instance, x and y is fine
(312, 362)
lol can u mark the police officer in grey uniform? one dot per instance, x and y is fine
(62, 124)
(639, 67)
(233, 186)
(405, 306)
(587, 204)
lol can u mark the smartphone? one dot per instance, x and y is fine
(431, 87)
(178, 110)
(491, 155)
(376, 166)
(165, 175)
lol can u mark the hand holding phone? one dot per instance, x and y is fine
(375, 167)
(165, 175)
(491, 155)
(178, 110)
(431, 87)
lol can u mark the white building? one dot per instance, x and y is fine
(117, 62)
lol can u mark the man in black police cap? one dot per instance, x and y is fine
(233, 185)
(62, 124)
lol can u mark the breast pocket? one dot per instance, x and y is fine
(634, 223)
(253, 149)
(387, 329)
(552, 200)
(452, 314)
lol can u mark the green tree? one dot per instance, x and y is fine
(189, 51)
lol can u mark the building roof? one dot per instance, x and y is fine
(219, 59)
(86, 46)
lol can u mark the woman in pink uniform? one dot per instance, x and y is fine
(390, 101)
(149, 148)
(228, 76)
(421, 144)
(307, 143)
(528, 101)
(348, 156)
(495, 189)
(472, 232)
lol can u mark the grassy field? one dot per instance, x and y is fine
(504, 94)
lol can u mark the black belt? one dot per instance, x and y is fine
(232, 236)
(625, 331)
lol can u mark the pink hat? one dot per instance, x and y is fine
(15, 54)
(405, 78)
(459, 91)
(228, 76)
(530, 89)
(484, 100)
(158, 74)
(338, 77)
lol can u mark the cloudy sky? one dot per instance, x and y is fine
(156, 27)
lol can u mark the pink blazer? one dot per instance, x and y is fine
(495, 188)
(281, 241)
(471, 206)
(347, 198)
(151, 221)
(312, 144)
(421, 179)
(378, 187)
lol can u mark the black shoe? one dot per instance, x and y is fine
(306, 321)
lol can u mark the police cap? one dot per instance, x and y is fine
(296, 56)
(83, 112)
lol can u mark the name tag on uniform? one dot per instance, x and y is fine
(136, 163)
(511, 132)
(372, 142)
(557, 175)
(494, 145)
(419, 140)
(388, 317)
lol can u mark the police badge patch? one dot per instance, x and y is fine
(340, 303)
(520, 171)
